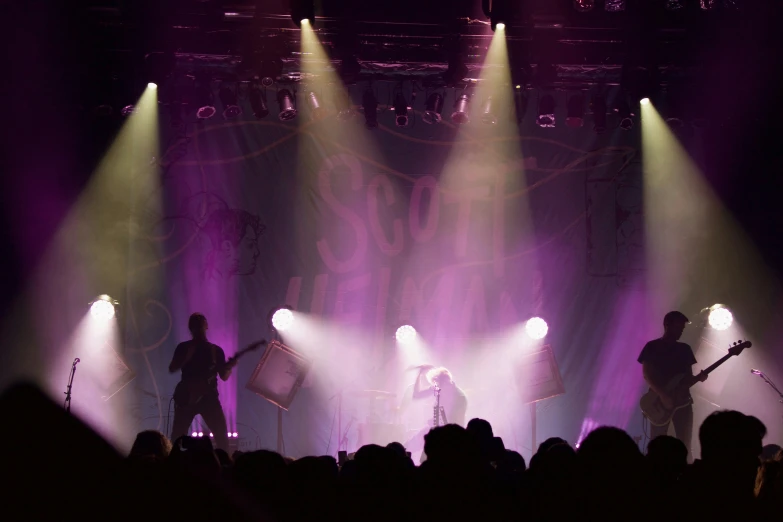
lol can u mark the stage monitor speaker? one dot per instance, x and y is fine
(538, 376)
(279, 374)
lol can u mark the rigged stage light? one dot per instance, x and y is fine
(405, 334)
(461, 114)
(228, 98)
(203, 98)
(433, 108)
(152, 85)
(282, 319)
(536, 328)
(497, 11)
(103, 308)
(487, 112)
(269, 70)
(520, 104)
(400, 110)
(624, 115)
(316, 110)
(575, 111)
(598, 108)
(720, 317)
(258, 103)
(546, 112)
(584, 5)
(303, 12)
(285, 100)
(370, 106)
(344, 105)
(614, 6)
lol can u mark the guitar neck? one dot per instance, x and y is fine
(712, 367)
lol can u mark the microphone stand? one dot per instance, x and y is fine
(766, 379)
(67, 404)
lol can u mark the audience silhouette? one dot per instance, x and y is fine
(468, 475)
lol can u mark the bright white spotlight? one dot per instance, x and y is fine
(304, 21)
(152, 85)
(644, 101)
(282, 319)
(194, 434)
(536, 328)
(500, 26)
(720, 317)
(235, 435)
(200, 433)
(102, 308)
(405, 334)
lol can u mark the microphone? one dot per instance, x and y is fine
(755, 371)
(420, 367)
(76, 361)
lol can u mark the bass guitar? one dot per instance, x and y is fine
(189, 392)
(653, 407)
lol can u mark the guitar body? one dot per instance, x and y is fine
(189, 392)
(654, 409)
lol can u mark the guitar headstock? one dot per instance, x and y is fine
(736, 348)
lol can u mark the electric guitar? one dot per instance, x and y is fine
(651, 404)
(189, 392)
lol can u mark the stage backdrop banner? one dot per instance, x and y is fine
(463, 238)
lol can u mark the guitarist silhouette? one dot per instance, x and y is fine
(201, 363)
(663, 359)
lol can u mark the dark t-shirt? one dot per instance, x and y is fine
(203, 364)
(667, 358)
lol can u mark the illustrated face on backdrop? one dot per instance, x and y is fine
(234, 236)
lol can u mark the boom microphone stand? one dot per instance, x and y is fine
(67, 404)
(766, 379)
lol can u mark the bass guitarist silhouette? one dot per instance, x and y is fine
(201, 363)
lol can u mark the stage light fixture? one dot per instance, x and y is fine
(624, 114)
(285, 101)
(497, 11)
(269, 70)
(546, 112)
(282, 319)
(400, 110)
(258, 103)
(500, 26)
(405, 334)
(211, 435)
(433, 108)
(194, 434)
(598, 108)
(200, 433)
(152, 85)
(461, 114)
(103, 308)
(720, 317)
(644, 101)
(575, 111)
(316, 110)
(520, 105)
(228, 98)
(487, 112)
(203, 98)
(235, 435)
(303, 12)
(370, 106)
(536, 328)
(614, 6)
(584, 5)
(343, 104)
